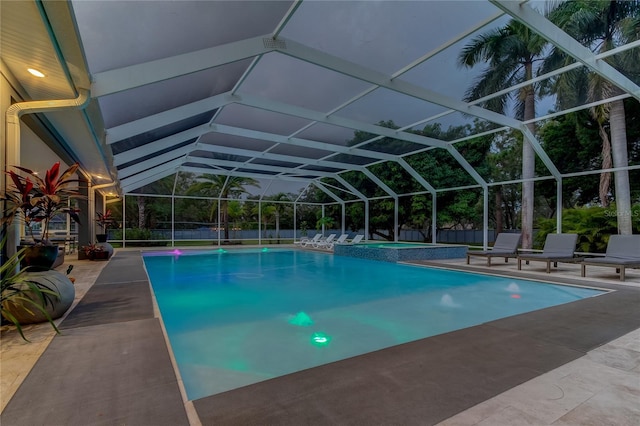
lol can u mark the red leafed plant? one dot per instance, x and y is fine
(105, 219)
(40, 200)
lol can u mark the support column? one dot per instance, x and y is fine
(485, 218)
(434, 217)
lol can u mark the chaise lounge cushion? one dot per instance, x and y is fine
(622, 251)
(557, 248)
(506, 245)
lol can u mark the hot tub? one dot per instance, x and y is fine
(400, 252)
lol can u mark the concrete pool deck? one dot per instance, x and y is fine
(572, 364)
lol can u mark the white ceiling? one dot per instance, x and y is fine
(266, 89)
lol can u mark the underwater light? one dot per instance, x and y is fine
(265, 249)
(301, 319)
(515, 296)
(177, 252)
(221, 250)
(320, 339)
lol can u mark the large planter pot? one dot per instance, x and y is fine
(56, 307)
(108, 248)
(39, 258)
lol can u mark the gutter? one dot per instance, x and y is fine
(13, 114)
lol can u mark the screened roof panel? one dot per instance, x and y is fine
(339, 189)
(385, 105)
(625, 62)
(151, 155)
(453, 126)
(320, 168)
(231, 141)
(441, 169)
(254, 171)
(354, 160)
(382, 35)
(300, 151)
(133, 104)
(440, 71)
(327, 133)
(284, 164)
(163, 29)
(392, 146)
(140, 168)
(321, 89)
(161, 132)
(204, 167)
(259, 119)
(216, 156)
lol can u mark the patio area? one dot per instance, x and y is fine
(566, 365)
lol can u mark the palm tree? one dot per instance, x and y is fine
(601, 25)
(511, 52)
(266, 212)
(281, 208)
(222, 187)
(234, 211)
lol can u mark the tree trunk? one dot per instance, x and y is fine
(141, 212)
(605, 178)
(528, 168)
(620, 159)
(499, 220)
(224, 210)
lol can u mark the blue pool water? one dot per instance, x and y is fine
(239, 317)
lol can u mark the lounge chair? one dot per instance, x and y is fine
(557, 248)
(506, 245)
(356, 239)
(329, 245)
(306, 241)
(323, 243)
(623, 251)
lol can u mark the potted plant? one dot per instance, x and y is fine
(95, 252)
(105, 220)
(39, 200)
(24, 294)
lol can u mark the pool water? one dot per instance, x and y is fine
(239, 317)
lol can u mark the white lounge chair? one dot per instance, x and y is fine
(306, 241)
(341, 240)
(356, 239)
(323, 243)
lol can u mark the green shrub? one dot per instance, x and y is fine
(593, 225)
(145, 237)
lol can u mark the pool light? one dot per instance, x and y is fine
(320, 339)
(221, 250)
(301, 319)
(265, 249)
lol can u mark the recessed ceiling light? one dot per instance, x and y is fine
(35, 72)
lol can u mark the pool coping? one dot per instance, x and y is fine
(369, 387)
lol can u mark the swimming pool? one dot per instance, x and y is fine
(239, 317)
